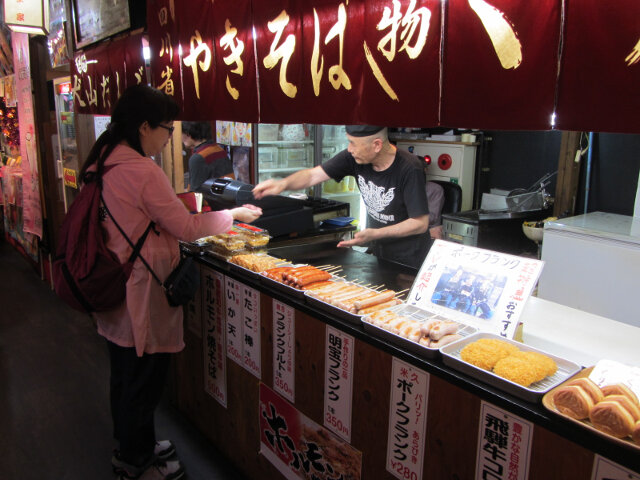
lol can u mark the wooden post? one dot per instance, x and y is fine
(568, 175)
(172, 159)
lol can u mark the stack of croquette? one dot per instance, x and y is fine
(508, 361)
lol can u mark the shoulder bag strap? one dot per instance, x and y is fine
(138, 246)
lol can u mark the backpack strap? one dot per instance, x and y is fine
(138, 246)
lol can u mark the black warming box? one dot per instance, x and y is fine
(283, 217)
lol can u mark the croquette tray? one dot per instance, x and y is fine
(333, 309)
(533, 393)
(420, 315)
(547, 402)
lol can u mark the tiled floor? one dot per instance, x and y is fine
(54, 413)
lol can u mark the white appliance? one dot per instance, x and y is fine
(451, 162)
(592, 263)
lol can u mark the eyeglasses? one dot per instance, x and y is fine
(169, 129)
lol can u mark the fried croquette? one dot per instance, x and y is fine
(486, 352)
(518, 370)
(543, 364)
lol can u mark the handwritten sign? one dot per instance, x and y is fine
(213, 315)
(233, 312)
(504, 445)
(407, 420)
(474, 286)
(338, 382)
(251, 330)
(283, 350)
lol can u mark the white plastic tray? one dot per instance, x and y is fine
(420, 315)
(533, 393)
(327, 307)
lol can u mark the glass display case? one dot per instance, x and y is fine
(283, 150)
(67, 158)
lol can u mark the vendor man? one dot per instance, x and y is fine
(392, 184)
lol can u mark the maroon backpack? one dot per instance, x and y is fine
(86, 274)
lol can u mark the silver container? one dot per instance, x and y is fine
(532, 393)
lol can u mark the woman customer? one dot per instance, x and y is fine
(143, 331)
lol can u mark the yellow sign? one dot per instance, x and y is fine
(70, 178)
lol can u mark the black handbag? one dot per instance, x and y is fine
(182, 283)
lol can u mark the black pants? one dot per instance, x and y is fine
(136, 389)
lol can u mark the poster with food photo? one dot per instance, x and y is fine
(475, 286)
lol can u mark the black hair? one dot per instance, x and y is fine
(136, 105)
(197, 130)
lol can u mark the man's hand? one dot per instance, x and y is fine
(268, 187)
(360, 238)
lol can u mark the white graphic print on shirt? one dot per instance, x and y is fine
(376, 199)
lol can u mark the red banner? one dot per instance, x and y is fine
(164, 48)
(400, 46)
(278, 30)
(236, 85)
(599, 86)
(100, 74)
(196, 37)
(500, 63)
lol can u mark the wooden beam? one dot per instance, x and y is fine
(568, 175)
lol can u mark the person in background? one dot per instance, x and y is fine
(435, 199)
(144, 330)
(392, 184)
(208, 159)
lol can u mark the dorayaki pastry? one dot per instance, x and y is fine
(612, 418)
(590, 387)
(573, 401)
(636, 433)
(620, 389)
(623, 400)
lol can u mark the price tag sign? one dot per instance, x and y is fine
(338, 382)
(504, 445)
(407, 420)
(283, 350)
(233, 312)
(251, 330)
(213, 316)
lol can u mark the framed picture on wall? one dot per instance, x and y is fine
(94, 20)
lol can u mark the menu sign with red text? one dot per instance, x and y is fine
(338, 382)
(504, 445)
(283, 350)
(251, 330)
(213, 316)
(407, 420)
(474, 286)
(233, 312)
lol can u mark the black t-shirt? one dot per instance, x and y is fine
(391, 196)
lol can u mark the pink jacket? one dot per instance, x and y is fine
(136, 192)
